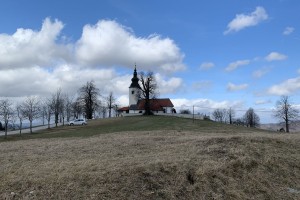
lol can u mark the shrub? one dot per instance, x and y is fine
(185, 111)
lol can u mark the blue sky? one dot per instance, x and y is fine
(211, 54)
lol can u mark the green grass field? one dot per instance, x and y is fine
(150, 158)
(144, 123)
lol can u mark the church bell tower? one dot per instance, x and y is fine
(134, 89)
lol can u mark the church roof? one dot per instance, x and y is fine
(155, 104)
(123, 109)
(133, 107)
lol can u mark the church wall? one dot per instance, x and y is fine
(133, 96)
(136, 111)
(168, 109)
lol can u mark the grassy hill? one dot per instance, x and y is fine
(151, 158)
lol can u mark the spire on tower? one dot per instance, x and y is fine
(135, 79)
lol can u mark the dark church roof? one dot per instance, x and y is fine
(135, 80)
(123, 109)
(155, 105)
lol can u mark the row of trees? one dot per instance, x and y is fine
(28, 109)
(250, 118)
(284, 111)
(59, 107)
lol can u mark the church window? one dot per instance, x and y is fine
(132, 92)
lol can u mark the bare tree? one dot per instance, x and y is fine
(19, 110)
(100, 109)
(231, 115)
(6, 113)
(110, 103)
(43, 112)
(48, 110)
(148, 90)
(13, 119)
(88, 95)
(116, 107)
(56, 105)
(62, 107)
(103, 111)
(76, 108)
(251, 118)
(239, 122)
(219, 115)
(68, 106)
(31, 109)
(286, 111)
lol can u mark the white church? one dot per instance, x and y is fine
(137, 105)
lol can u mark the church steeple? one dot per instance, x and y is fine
(135, 80)
(134, 88)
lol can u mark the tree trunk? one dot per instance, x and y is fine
(147, 107)
(147, 104)
(56, 119)
(43, 118)
(109, 112)
(287, 121)
(49, 119)
(6, 125)
(30, 126)
(20, 127)
(287, 126)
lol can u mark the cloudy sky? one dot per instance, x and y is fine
(207, 53)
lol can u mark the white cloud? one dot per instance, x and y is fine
(123, 100)
(232, 66)
(205, 104)
(261, 72)
(275, 56)
(285, 88)
(28, 48)
(22, 82)
(40, 81)
(262, 102)
(109, 44)
(39, 62)
(207, 65)
(242, 21)
(202, 85)
(288, 30)
(168, 86)
(233, 87)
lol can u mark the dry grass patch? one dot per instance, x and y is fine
(153, 165)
